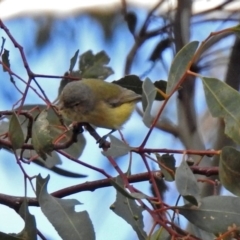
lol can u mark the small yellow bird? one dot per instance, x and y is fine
(102, 104)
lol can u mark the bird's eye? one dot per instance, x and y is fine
(76, 104)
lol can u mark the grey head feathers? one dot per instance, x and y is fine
(77, 93)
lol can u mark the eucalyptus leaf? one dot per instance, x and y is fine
(214, 214)
(149, 95)
(229, 169)
(167, 164)
(180, 65)
(5, 59)
(236, 30)
(42, 139)
(125, 193)
(93, 66)
(160, 234)
(117, 148)
(15, 132)
(131, 82)
(69, 224)
(129, 210)
(30, 229)
(131, 19)
(186, 183)
(222, 101)
(5, 236)
(73, 61)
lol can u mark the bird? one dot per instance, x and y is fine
(97, 102)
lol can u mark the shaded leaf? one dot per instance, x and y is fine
(131, 19)
(236, 30)
(161, 85)
(222, 101)
(93, 66)
(161, 234)
(149, 94)
(186, 183)
(73, 61)
(159, 49)
(131, 82)
(117, 148)
(69, 224)
(134, 83)
(5, 236)
(229, 169)
(52, 160)
(181, 64)
(125, 193)
(75, 150)
(42, 138)
(167, 164)
(15, 132)
(66, 80)
(129, 210)
(214, 214)
(30, 230)
(5, 60)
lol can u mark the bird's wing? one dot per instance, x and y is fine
(125, 96)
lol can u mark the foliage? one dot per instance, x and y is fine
(38, 134)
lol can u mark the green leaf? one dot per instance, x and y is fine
(69, 224)
(167, 164)
(5, 236)
(75, 150)
(129, 210)
(131, 82)
(149, 94)
(214, 214)
(5, 59)
(42, 138)
(229, 169)
(65, 80)
(236, 30)
(161, 85)
(134, 83)
(161, 234)
(15, 132)
(117, 148)
(157, 53)
(222, 101)
(131, 19)
(181, 64)
(30, 230)
(186, 183)
(93, 66)
(125, 193)
(73, 61)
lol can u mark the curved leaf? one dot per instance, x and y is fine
(93, 66)
(180, 65)
(42, 139)
(128, 209)
(30, 230)
(69, 224)
(214, 214)
(229, 169)
(15, 132)
(187, 184)
(117, 148)
(149, 95)
(222, 101)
